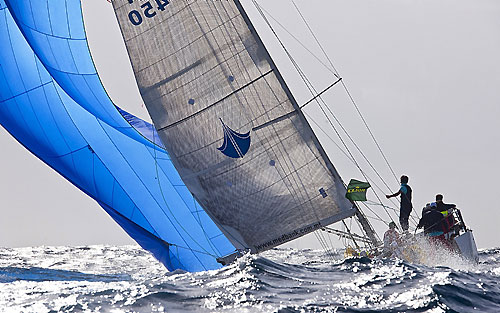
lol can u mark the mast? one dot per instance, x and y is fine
(367, 228)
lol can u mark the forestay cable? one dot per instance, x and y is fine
(335, 72)
(348, 93)
(313, 91)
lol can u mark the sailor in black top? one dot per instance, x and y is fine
(441, 206)
(406, 205)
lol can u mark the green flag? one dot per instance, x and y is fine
(356, 190)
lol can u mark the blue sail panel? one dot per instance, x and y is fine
(74, 19)
(159, 248)
(62, 47)
(58, 12)
(145, 128)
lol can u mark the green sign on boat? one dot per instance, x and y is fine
(356, 190)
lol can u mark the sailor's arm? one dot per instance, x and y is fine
(449, 206)
(393, 195)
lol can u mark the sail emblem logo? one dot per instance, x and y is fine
(235, 145)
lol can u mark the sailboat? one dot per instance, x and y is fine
(230, 165)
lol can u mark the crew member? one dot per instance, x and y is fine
(435, 227)
(431, 221)
(406, 205)
(446, 210)
(392, 240)
(441, 206)
(391, 235)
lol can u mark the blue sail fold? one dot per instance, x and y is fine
(109, 154)
(55, 32)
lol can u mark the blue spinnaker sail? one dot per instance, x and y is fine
(55, 32)
(90, 143)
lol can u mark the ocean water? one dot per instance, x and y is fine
(128, 279)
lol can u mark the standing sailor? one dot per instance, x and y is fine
(406, 205)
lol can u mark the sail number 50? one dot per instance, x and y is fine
(149, 11)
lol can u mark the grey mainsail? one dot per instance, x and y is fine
(231, 126)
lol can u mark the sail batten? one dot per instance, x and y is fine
(217, 102)
(261, 174)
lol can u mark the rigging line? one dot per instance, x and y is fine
(369, 246)
(336, 74)
(315, 38)
(313, 91)
(357, 148)
(225, 27)
(333, 71)
(360, 227)
(349, 232)
(350, 226)
(306, 81)
(330, 240)
(353, 102)
(302, 75)
(231, 21)
(350, 159)
(375, 203)
(414, 222)
(369, 130)
(358, 224)
(375, 213)
(318, 235)
(376, 219)
(344, 233)
(346, 89)
(322, 92)
(354, 143)
(342, 151)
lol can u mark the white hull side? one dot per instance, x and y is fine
(467, 246)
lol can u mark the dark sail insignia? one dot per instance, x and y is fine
(235, 145)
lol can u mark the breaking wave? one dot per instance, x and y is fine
(128, 279)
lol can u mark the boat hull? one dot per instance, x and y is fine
(467, 246)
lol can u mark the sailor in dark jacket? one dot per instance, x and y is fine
(441, 206)
(406, 205)
(431, 221)
(447, 211)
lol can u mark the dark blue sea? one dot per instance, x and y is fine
(128, 279)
